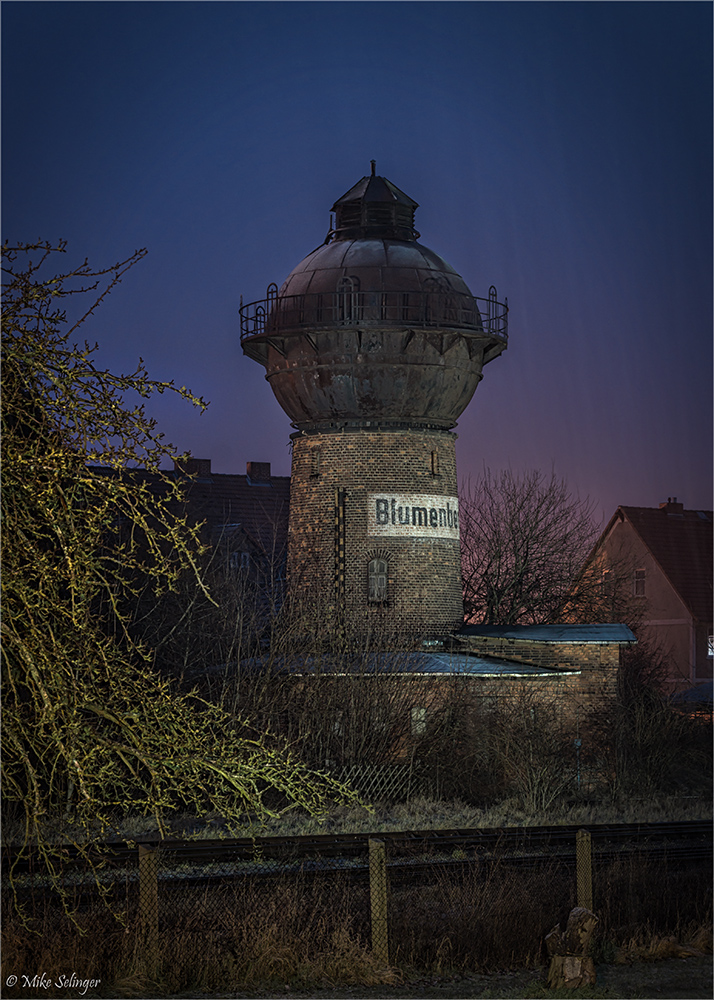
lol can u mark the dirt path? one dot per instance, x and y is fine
(671, 979)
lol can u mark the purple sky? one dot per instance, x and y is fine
(561, 151)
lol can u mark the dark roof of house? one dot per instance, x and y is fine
(579, 634)
(254, 507)
(259, 507)
(681, 543)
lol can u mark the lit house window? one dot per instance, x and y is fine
(710, 646)
(638, 583)
(377, 574)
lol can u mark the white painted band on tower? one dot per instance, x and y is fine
(412, 515)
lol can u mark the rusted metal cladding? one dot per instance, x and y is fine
(375, 379)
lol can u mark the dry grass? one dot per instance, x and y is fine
(634, 895)
(482, 921)
(431, 814)
(692, 942)
(423, 813)
(301, 932)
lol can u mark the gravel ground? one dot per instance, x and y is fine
(670, 979)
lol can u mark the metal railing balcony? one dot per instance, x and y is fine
(295, 314)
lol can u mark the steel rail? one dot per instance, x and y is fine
(505, 839)
(403, 874)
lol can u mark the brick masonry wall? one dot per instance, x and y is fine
(598, 663)
(389, 700)
(424, 594)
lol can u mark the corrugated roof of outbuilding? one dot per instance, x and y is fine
(599, 634)
(413, 664)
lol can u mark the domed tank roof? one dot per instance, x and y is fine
(379, 264)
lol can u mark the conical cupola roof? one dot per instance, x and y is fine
(374, 208)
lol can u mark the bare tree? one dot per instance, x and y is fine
(524, 541)
(90, 731)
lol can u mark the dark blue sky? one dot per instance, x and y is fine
(561, 151)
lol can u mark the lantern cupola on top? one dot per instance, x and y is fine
(374, 207)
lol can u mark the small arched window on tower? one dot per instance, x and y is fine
(435, 291)
(377, 573)
(348, 300)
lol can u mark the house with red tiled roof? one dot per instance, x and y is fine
(664, 557)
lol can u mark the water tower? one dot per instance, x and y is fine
(373, 346)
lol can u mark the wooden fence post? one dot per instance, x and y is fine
(584, 859)
(149, 904)
(378, 899)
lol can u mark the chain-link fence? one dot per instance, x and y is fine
(350, 907)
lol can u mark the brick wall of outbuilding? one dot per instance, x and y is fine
(597, 663)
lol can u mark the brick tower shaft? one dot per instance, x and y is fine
(374, 535)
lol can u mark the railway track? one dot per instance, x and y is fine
(350, 845)
(413, 856)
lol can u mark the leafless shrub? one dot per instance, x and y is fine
(658, 747)
(353, 705)
(484, 919)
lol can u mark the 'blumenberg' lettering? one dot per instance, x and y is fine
(388, 511)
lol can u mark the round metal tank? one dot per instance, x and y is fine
(370, 328)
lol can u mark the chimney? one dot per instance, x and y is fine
(200, 467)
(258, 472)
(672, 507)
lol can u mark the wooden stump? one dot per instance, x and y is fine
(570, 965)
(570, 971)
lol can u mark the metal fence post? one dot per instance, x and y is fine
(149, 903)
(584, 859)
(378, 899)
